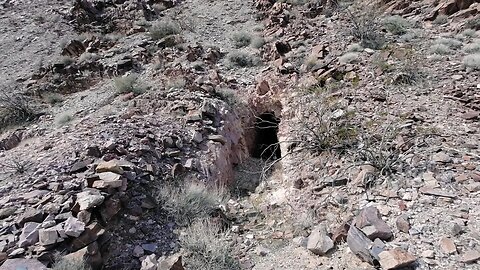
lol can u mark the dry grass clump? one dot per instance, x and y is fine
(191, 201)
(161, 29)
(380, 149)
(207, 248)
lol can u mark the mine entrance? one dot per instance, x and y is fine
(266, 138)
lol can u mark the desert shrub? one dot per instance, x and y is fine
(241, 39)
(63, 118)
(228, 95)
(207, 248)
(449, 42)
(409, 72)
(241, 59)
(304, 222)
(366, 28)
(474, 23)
(53, 98)
(128, 84)
(440, 49)
(190, 201)
(408, 75)
(16, 109)
(161, 29)
(70, 264)
(472, 61)
(396, 25)
(349, 57)
(310, 62)
(324, 123)
(379, 149)
(472, 48)
(355, 47)
(159, 7)
(65, 60)
(410, 36)
(15, 165)
(88, 57)
(469, 33)
(257, 42)
(441, 19)
(175, 83)
(436, 57)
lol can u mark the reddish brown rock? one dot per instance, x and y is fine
(90, 254)
(340, 233)
(263, 87)
(448, 246)
(403, 224)
(173, 262)
(395, 258)
(370, 222)
(109, 166)
(471, 256)
(90, 235)
(436, 192)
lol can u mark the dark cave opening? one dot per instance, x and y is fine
(266, 138)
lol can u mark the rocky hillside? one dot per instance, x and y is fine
(261, 134)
